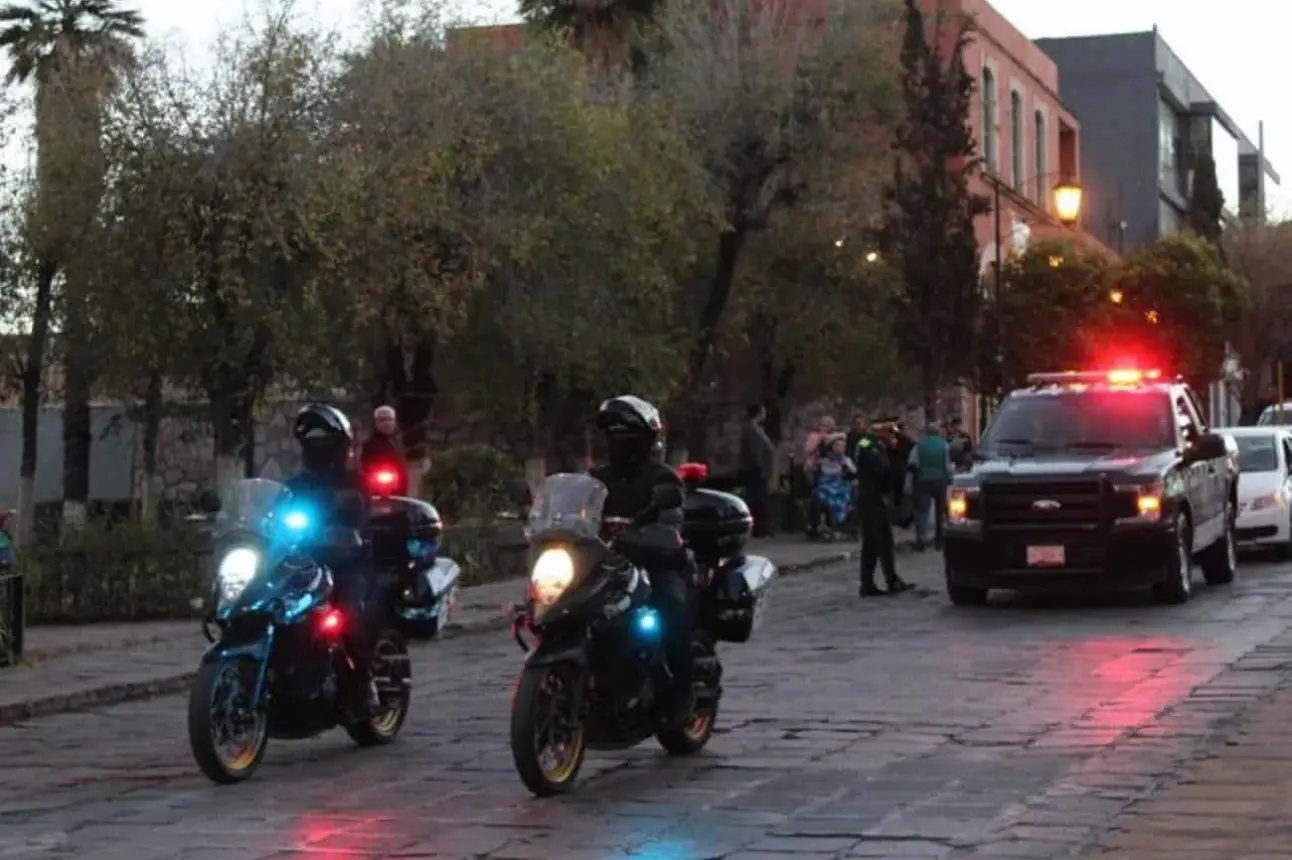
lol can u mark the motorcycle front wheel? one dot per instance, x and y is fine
(227, 733)
(391, 672)
(548, 743)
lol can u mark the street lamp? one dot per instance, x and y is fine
(1067, 208)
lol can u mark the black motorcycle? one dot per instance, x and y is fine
(278, 666)
(595, 675)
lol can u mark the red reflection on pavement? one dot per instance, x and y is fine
(1112, 684)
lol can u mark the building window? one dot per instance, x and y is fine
(1170, 140)
(1016, 140)
(989, 143)
(1039, 161)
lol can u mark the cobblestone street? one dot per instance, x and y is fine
(892, 728)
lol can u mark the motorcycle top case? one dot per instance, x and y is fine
(715, 525)
(405, 530)
(737, 597)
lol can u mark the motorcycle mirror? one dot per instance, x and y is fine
(208, 502)
(511, 538)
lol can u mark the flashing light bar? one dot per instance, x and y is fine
(1118, 376)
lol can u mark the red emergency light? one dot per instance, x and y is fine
(384, 480)
(693, 473)
(331, 621)
(1131, 376)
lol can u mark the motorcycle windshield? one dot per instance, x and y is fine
(567, 506)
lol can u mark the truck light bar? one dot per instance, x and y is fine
(1093, 377)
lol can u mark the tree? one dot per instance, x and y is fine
(929, 227)
(1054, 310)
(763, 93)
(611, 31)
(74, 51)
(1206, 201)
(1261, 252)
(1179, 299)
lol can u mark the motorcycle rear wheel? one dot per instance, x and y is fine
(541, 693)
(693, 736)
(221, 695)
(391, 672)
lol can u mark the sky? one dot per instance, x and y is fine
(1233, 48)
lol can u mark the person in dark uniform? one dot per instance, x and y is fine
(875, 478)
(647, 490)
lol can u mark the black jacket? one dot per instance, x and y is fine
(875, 473)
(340, 498)
(632, 490)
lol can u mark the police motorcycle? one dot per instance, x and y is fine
(278, 665)
(406, 540)
(594, 673)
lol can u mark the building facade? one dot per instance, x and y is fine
(1028, 140)
(1146, 117)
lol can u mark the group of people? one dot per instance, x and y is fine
(863, 478)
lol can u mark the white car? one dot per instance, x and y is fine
(1264, 486)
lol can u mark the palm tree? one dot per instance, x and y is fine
(73, 51)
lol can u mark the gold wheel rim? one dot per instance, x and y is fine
(698, 726)
(246, 756)
(385, 722)
(563, 771)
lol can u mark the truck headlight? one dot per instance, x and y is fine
(1148, 503)
(553, 573)
(237, 569)
(1272, 500)
(958, 499)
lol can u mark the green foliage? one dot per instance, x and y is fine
(473, 482)
(1206, 200)
(120, 572)
(1054, 311)
(931, 211)
(1179, 300)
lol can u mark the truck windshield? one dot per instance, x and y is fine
(1077, 420)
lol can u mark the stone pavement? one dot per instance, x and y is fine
(889, 728)
(1233, 804)
(69, 667)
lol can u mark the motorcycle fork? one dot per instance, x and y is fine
(261, 693)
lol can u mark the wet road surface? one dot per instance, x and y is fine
(894, 728)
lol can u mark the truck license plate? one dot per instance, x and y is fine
(1045, 556)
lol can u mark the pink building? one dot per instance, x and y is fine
(1028, 142)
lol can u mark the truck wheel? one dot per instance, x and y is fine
(1178, 585)
(964, 595)
(1220, 560)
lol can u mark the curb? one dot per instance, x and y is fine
(131, 691)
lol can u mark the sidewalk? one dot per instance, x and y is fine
(75, 667)
(1233, 805)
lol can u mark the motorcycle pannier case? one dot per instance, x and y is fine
(405, 530)
(738, 596)
(717, 525)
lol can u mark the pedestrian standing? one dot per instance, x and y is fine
(814, 446)
(873, 460)
(756, 464)
(858, 430)
(930, 466)
(383, 449)
(960, 443)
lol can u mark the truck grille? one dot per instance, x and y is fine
(1045, 503)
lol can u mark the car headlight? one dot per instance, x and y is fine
(236, 570)
(1272, 500)
(553, 573)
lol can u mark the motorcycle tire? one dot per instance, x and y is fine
(528, 703)
(692, 737)
(213, 763)
(392, 672)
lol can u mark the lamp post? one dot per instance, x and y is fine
(1067, 208)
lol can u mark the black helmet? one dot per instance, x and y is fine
(632, 427)
(325, 437)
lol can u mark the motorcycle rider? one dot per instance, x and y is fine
(645, 489)
(330, 484)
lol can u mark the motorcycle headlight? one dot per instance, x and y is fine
(553, 573)
(236, 570)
